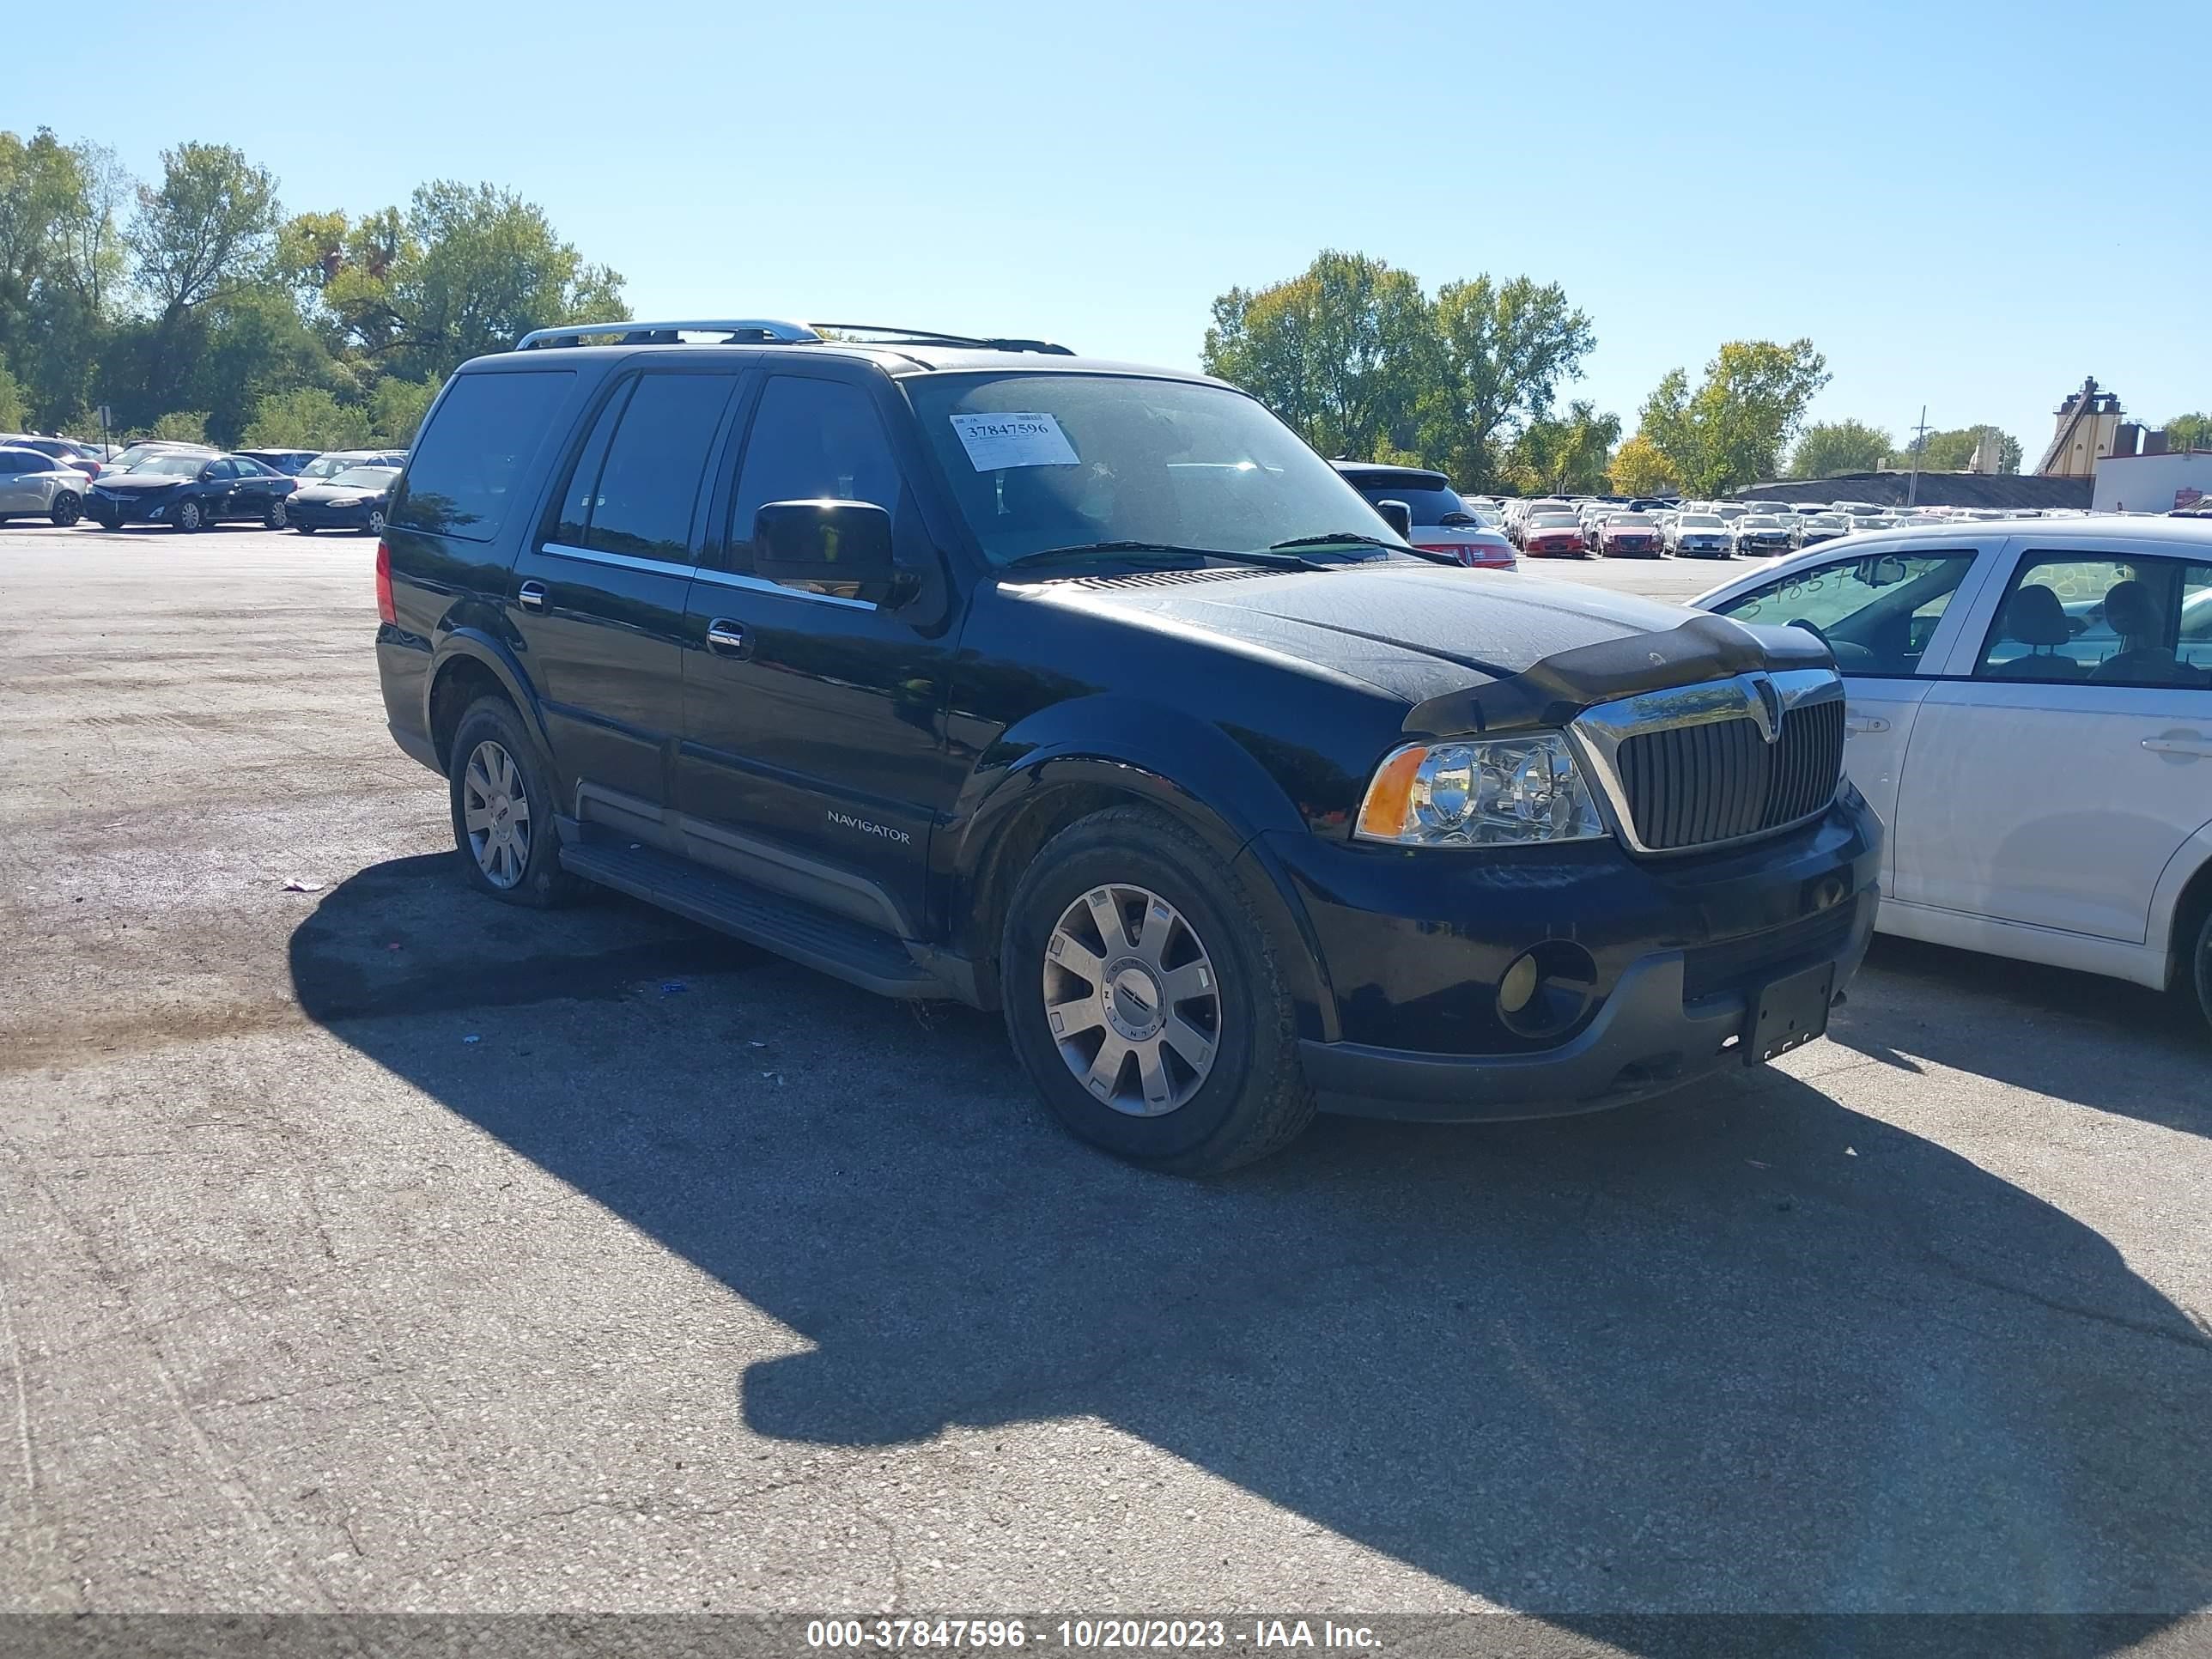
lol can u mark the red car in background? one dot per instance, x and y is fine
(1555, 536)
(1635, 533)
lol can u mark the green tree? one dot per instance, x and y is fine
(13, 417)
(1830, 448)
(1953, 451)
(1563, 456)
(396, 410)
(307, 417)
(182, 426)
(210, 227)
(40, 191)
(2188, 432)
(1343, 354)
(1505, 347)
(1730, 431)
(1639, 469)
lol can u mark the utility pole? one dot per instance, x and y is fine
(1920, 443)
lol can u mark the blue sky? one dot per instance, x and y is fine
(1972, 206)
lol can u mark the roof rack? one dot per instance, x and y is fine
(760, 331)
(750, 331)
(888, 334)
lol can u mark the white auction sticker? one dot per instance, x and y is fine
(995, 441)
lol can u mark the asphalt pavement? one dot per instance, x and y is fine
(377, 1247)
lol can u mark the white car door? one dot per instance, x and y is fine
(1888, 616)
(2053, 782)
(17, 493)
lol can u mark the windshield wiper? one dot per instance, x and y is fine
(1360, 538)
(1168, 549)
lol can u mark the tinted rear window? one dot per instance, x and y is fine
(470, 462)
(1428, 505)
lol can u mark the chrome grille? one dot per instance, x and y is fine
(1694, 767)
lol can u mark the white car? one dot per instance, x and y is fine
(2030, 711)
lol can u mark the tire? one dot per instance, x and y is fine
(2202, 975)
(272, 515)
(1251, 1097)
(305, 529)
(492, 754)
(374, 527)
(190, 517)
(66, 510)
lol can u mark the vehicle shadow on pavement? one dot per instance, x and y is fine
(2099, 1043)
(1748, 1350)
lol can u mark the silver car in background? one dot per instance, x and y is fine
(33, 484)
(1698, 535)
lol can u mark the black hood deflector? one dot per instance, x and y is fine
(1550, 693)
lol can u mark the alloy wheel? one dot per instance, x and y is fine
(376, 521)
(274, 516)
(496, 813)
(1132, 999)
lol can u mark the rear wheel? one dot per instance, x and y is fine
(502, 807)
(2202, 961)
(1144, 998)
(273, 515)
(67, 508)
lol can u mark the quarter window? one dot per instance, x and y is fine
(1876, 612)
(811, 441)
(2144, 622)
(468, 462)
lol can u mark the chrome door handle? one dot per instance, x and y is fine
(723, 635)
(1865, 723)
(530, 596)
(2194, 745)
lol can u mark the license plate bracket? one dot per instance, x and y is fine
(1790, 1013)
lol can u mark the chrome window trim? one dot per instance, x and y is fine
(761, 585)
(720, 578)
(1598, 732)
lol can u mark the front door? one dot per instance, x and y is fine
(2054, 785)
(811, 760)
(1883, 619)
(17, 493)
(599, 597)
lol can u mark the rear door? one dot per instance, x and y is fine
(597, 597)
(1889, 620)
(2054, 783)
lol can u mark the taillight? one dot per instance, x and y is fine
(384, 608)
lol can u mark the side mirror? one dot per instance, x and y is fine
(839, 548)
(1398, 516)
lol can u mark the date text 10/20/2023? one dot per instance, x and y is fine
(1087, 1634)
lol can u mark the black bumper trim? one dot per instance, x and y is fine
(1644, 1041)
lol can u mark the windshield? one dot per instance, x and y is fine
(326, 466)
(1700, 522)
(175, 466)
(1759, 522)
(366, 477)
(1555, 521)
(1039, 461)
(1631, 521)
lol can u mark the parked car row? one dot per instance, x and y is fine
(189, 487)
(1644, 526)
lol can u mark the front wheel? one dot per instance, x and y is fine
(190, 517)
(376, 522)
(305, 529)
(502, 807)
(1144, 998)
(66, 510)
(273, 515)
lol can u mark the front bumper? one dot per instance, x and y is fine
(315, 516)
(1683, 948)
(113, 510)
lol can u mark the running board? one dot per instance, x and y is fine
(862, 956)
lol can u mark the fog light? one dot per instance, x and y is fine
(1518, 985)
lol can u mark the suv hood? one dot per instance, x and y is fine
(1471, 650)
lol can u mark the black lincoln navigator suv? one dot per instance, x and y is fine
(974, 668)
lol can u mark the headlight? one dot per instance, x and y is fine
(1492, 791)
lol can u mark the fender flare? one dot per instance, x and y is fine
(1151, 752)
(476, 646)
